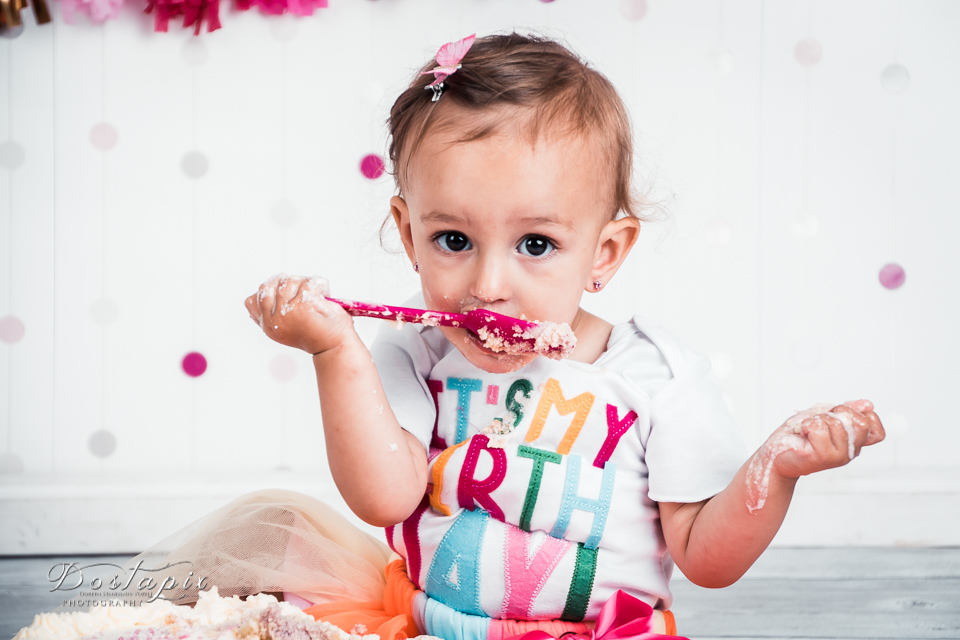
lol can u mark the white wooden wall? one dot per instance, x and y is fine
(150, 181)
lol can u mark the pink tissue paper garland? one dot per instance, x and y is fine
(278, 7)
(98, 10)
(194, 12)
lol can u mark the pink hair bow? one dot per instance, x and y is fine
(448, 59)
(622, 617)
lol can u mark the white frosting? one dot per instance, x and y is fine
(788, 437)
(211, 617)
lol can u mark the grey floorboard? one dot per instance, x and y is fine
(789, 594)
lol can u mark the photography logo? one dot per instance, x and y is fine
(108, 584)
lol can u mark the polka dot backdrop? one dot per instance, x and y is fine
(771, 155)
(12, 155)
(194, 364)
(11, 329)
(194, 164)
(103, 136)
(371, 166)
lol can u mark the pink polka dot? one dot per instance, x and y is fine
(808, 51)
(194, 364)
(372, 166)
(11, 329)
(892, 276)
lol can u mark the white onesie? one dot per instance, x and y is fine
(545, 481)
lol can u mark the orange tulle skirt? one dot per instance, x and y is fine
(393, 619)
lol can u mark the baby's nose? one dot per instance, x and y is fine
(491, 281)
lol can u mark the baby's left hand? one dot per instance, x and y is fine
(815, 440)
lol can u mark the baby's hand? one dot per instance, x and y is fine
(293, 311)
(814, 440)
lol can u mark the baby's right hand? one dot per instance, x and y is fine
(293, 311)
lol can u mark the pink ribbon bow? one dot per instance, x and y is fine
(622, 617)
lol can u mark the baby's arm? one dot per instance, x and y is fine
(715, 541)
(380, 469)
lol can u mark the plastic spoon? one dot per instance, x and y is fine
(500, 333)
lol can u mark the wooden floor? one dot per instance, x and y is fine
(789, 593)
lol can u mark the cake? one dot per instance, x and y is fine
(259, 617)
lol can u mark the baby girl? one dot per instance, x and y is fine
(525, 493)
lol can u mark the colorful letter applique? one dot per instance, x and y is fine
(581, 585)
(525, 576)
(553, 395)
(615, 430)
(464, 387)
(470, 489)
(411, 540)
(454, 574)
(514, 406)
(571, 500)
(539, 457)
(436, 388)
(437, 477)
(493, 393)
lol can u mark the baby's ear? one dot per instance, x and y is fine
(401, 216)
(616, 239)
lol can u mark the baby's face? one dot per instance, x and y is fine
(500, 225)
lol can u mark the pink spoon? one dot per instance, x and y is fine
(499, 333)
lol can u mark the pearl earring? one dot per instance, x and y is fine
(598, 285)
(416, 267)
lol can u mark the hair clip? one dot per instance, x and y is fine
(448, 58)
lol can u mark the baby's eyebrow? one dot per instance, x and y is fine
(439, 216)
(546, 219)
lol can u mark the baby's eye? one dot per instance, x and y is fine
(453, 242)
(535, 246)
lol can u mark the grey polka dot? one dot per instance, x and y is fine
(806, 353)
(805, 225)
(284, 213)
(808, 52)
(633, 9)
(10, 463)
(104, 311)
(194, 164)
(282, 467)
(103, 136)
(284, 27)
(895, 78)
(193, 51)
(12, 154)
(102, 444)
(10, 32)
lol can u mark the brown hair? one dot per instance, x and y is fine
(550, 85)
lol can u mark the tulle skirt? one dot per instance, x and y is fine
(279, 541)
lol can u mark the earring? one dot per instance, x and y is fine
(598, 285)
(416, 267)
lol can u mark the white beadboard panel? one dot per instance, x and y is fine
(77, 514)
(284, 110)
(30, 252)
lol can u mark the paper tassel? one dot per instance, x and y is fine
(277, 7)
(194, 12)
(98, 10)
